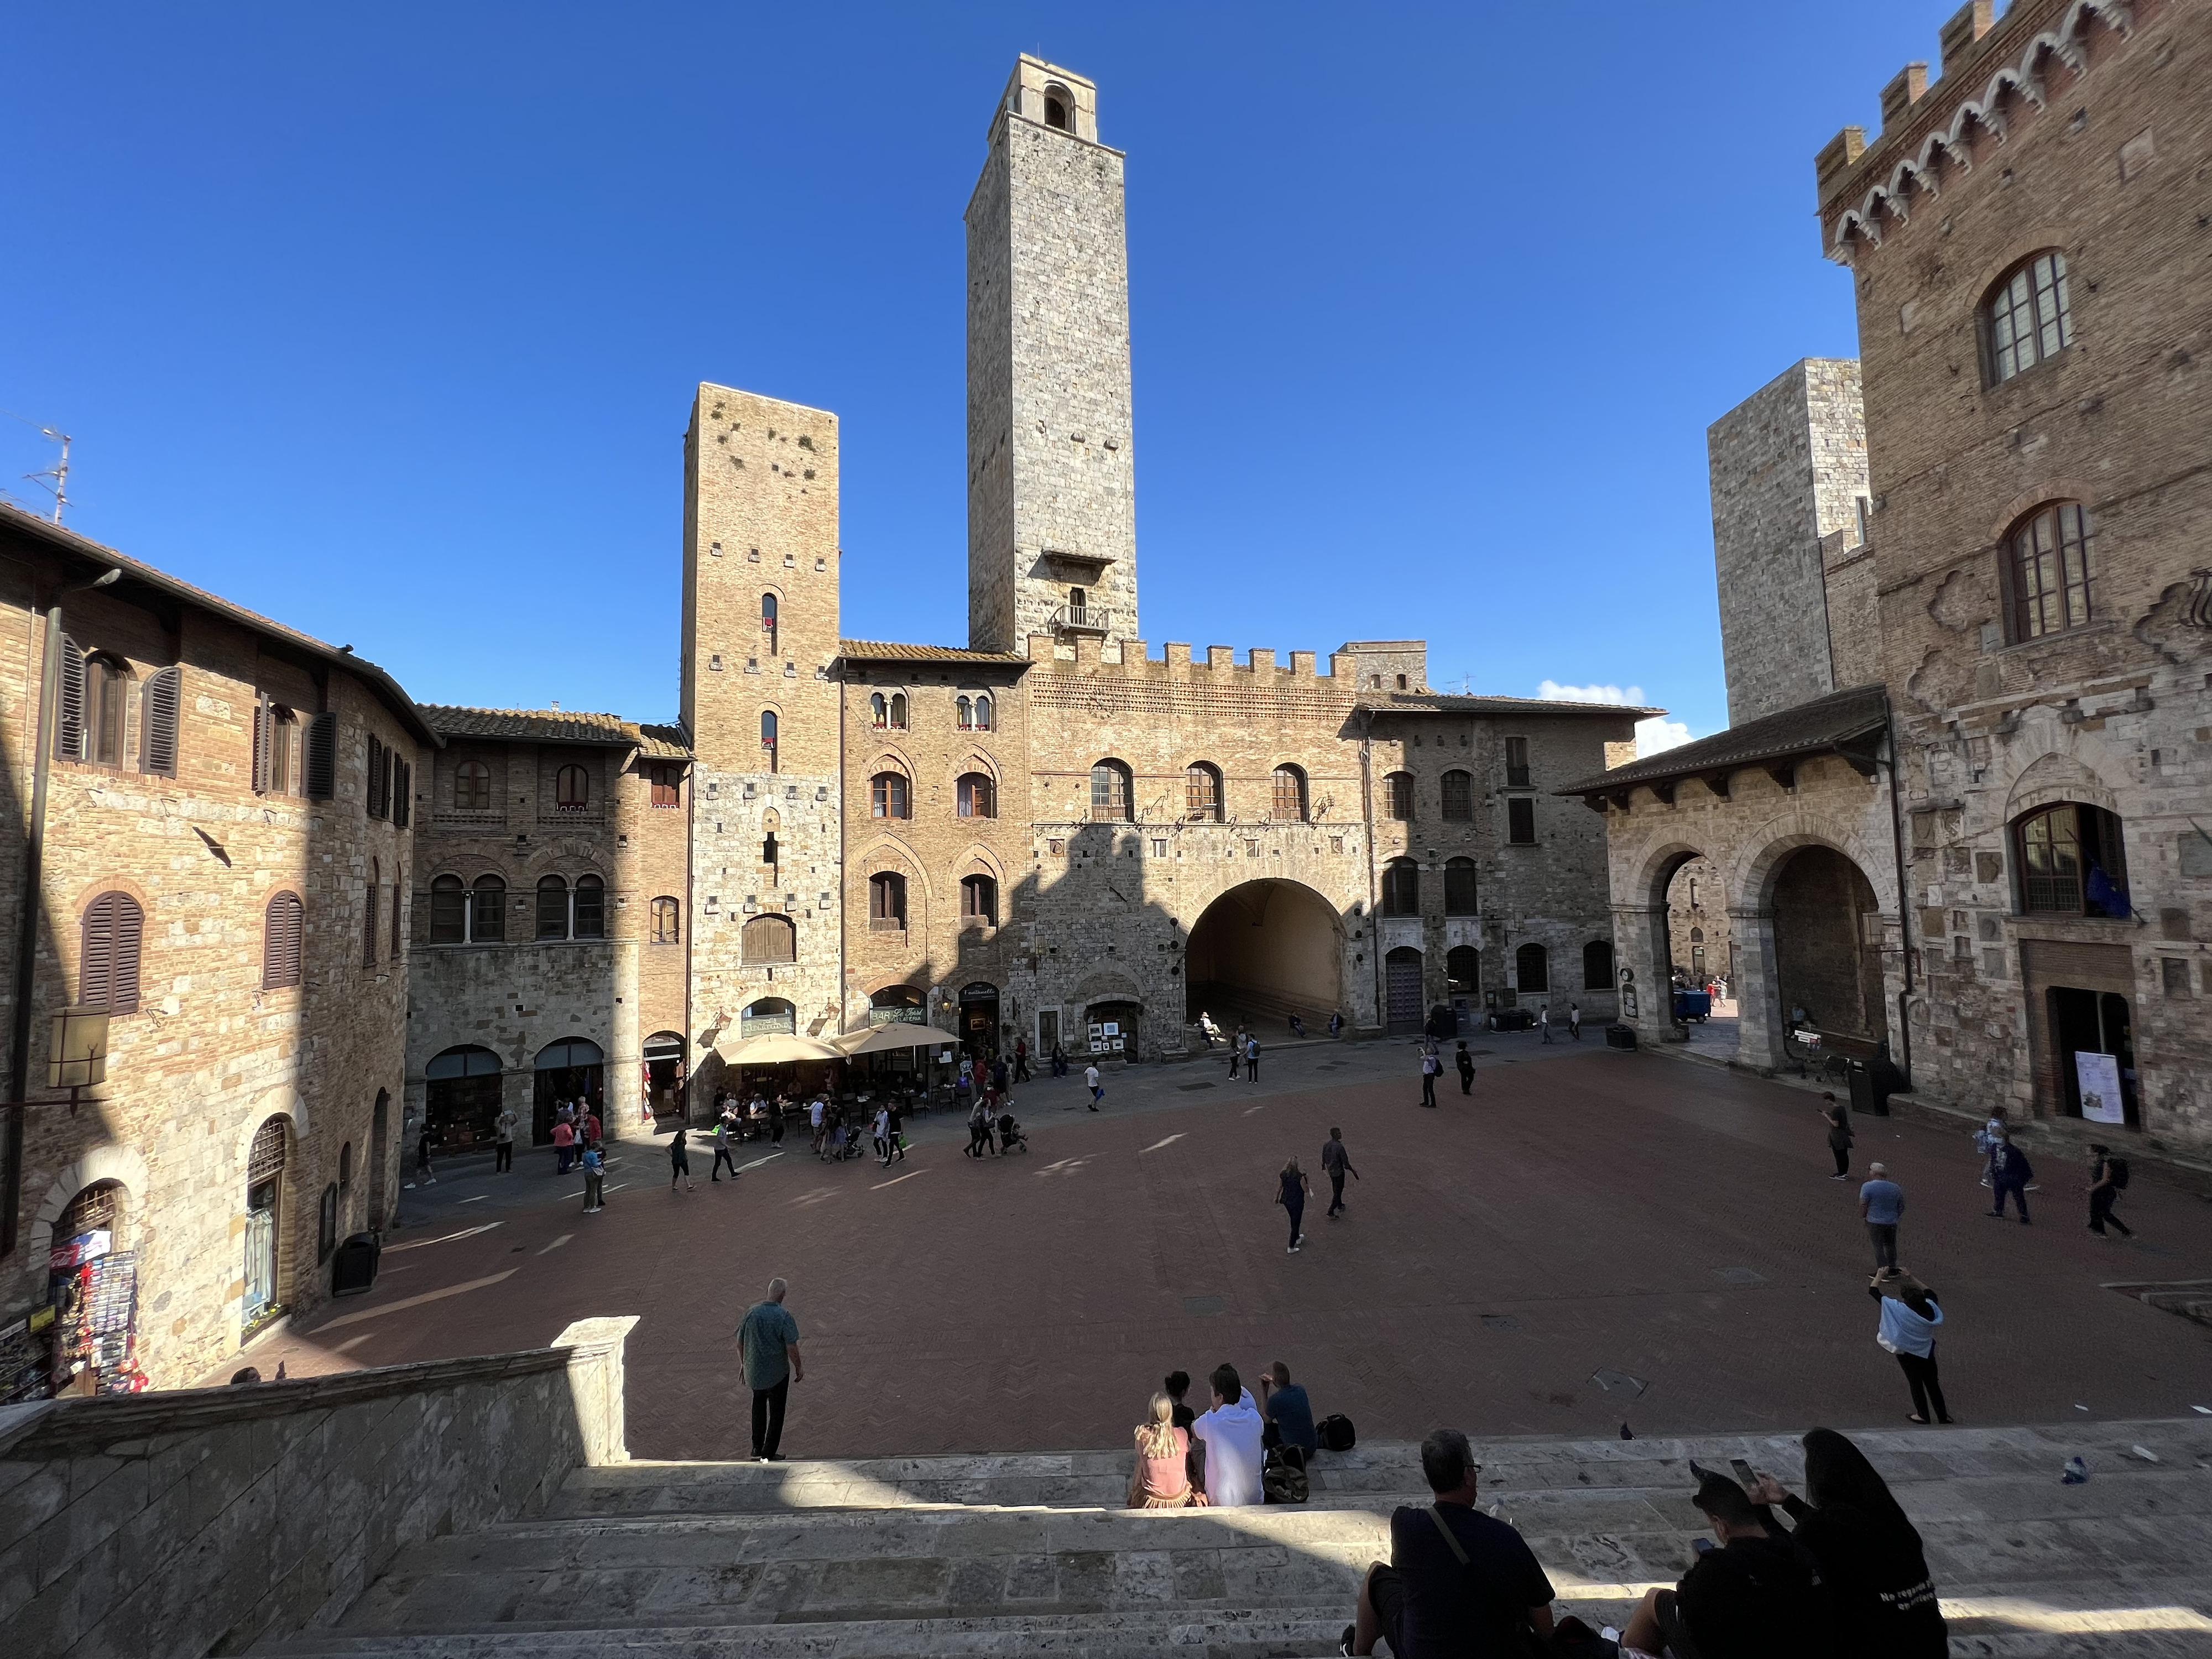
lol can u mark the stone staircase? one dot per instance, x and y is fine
(1033, 1553)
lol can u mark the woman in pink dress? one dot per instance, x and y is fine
(1161, 1480)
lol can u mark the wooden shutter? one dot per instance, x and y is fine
(68, 702)
(398, 887)
(264, 736)
(374, 792)
(403, 793)
(322, 765)
(108, 966)
(368, 926)
(281, 946)
(158, 721)
(130, 937)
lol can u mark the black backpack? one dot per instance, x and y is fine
(1335, 1433)
(2117, 1168)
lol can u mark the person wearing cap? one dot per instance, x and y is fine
(1881, 1206)
(1459, 1581)
(1751, 1598)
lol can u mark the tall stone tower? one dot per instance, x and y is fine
(760, 629)
(1052, 545)
(1788, 468)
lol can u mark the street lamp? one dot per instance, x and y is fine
(77, 1055)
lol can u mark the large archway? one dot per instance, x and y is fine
(1827, 954)
(1264, 951)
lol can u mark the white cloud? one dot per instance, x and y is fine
(1652, 736)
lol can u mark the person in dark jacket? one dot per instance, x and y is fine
(1839, 1135)
(2010, 1172)
(1868, 1553)
(1755, 1597)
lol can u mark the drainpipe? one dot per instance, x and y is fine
(1904, 901)
(27, 931)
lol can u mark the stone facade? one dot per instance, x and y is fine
(1697, 929)
(1788, 468)
(219, 1041)
(558, 967)
(2051, 168)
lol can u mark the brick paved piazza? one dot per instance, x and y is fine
(1584, 1211)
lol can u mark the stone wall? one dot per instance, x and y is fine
(211, 1053)
(2083, 131)
(1698, 920)
(1788, 468)
(166, 1526)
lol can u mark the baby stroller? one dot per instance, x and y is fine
(1011, 1138)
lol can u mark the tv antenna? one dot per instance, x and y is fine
(55, 478)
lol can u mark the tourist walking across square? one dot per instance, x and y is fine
(767, 1348)
(679, 1161)
(1465, 1062)
(1098, 1091)
(1575, 1021)
(1230, 1434)
(2108, 1178)
(1881, 1206)
(1458, 1581)
(595, 1180)
(1336, 1164)
(1251, 1056)
(2010, 1172)
(564, 1144)
(1237, 1051)
(1544, 1021)
(1838, 1117)
(502, 1135)
(725, 1148)
(1292, 1187)
(1429, 1066)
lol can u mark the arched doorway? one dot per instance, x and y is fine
(264, 1198)
(380, 1159)
(1401, 990)
(460, 1098)
(571, 1069)
(664, 1074)
(1827, 975)
(979, 1019)
(92, 1285)
(898, 1004)
(1264, 951)
(1111, 1027)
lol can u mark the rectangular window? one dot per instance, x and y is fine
(1520, 823)
(1159, 849)
(1516, 762)
(667, 784)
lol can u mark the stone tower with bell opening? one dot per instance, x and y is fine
(1052, 543)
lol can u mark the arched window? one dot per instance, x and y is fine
(977, 798)
(1597, 965)
(667, 925)
(472, 788)
(898, 711)
(1109, 793)
(979, 901)
(767, 738)
(2027, 317)
(345, 1167)
(768, 625)
(1460, 899)
(1398, 797)
(1059, 108)
(487, 913)
(449, 911)
(1462, 969)
(879, 711)
(898, 1005)
(590, 908)
(887, 795)
(97, 1209)
(282, 756)
(552, 908)
(571, 789)
(1402, 888)
(369, 914)
(769, 1017)
(284, 929)
(107, 696)
(1531, 968)
(1459, 797)
(108, 955)
(1696, 936)
(963, 714)
(2047, 571)
(1289, 806)
(769, 939)
(982, 714)
(2073, 861)
(886, 902)
(398, 913)
(1201, 794)
(159, 710)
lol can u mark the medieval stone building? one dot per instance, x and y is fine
(1961, 809)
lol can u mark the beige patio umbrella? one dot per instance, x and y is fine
(777, 1049)
(886, 1039)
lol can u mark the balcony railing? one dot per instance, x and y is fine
(1080, 619)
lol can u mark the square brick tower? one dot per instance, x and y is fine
(1052, 545)
(760, 629)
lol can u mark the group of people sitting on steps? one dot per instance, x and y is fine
(1221, 1457)
(1846, 1576)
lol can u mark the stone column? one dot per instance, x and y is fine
(1639, 932)
(1757, 1000)
(595, 1384)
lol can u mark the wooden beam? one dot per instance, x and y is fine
(1663, 789)
(1622, 799)
(1783, 772)
(1863, 761)
(1718, 782)
(1596, 803)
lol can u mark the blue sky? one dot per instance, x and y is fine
(386, 320)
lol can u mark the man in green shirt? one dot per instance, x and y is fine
(767, 1346)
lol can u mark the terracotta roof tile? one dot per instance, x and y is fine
(1438, 702)
(880, 651)
(557, 726)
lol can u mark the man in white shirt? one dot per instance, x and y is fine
(1230, 1433)
(1090, 1082)
(814, 1116)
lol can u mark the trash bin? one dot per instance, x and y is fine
(1620, 1036)
(355, 1268)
